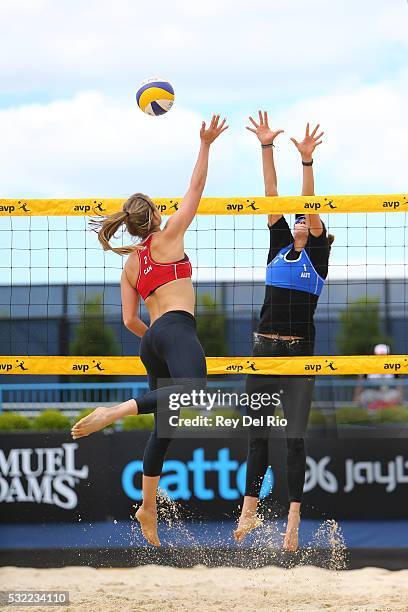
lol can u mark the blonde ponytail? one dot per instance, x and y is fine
(137, 216)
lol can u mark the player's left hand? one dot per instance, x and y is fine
(309, 143)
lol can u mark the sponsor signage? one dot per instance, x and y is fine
(49, 477)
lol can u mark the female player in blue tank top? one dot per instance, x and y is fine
(297, 267)
(158, 271)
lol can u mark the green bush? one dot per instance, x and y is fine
(360, 416)
(211, 325)
(51, 420)
(352, 416)
(360, 327)
(14, 422)
(317, 418)
(141, 421)
(391, 415)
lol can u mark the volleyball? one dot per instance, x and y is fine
(155, 96)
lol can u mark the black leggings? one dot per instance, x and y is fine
(170, 349)
(296, 396)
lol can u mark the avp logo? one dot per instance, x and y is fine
(7, 366)
(313, 367)
(238, 367)
(251, 366)
(7, 208)
(84, 367)
(24, 206)
(173, 205)
(312, 206)
(318, 476)
(20, 364)
(316, 367)
(80, 367)
(394, 367)
(98, 365)
(83, 208)
(186, 479)
(10, 208)
(235, 207)
(330, 365)
(329, 204)
(395, 204)
(251, 204)
(98, 207)
(234, 367)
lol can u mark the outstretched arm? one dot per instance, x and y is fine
(306, 148)
(266, 136)
(180, 221)
(130, 307)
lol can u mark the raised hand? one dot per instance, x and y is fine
(309, 143)
(214, 130)
(265, 135)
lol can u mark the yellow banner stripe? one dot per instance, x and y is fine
(132, 366)
(213, 206)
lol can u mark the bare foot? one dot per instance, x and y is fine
(291, 540)
(247, 522)
(148, 525)
(98, 419)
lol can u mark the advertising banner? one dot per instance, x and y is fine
(49, 477)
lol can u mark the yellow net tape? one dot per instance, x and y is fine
(132, 366)
(214, 206)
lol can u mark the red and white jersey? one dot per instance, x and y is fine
(153, 274)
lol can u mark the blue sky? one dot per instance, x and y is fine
(69, 125)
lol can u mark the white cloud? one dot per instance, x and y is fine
(232, 49)
(92, 144)
(366, 130)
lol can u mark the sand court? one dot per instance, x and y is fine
(156, 588)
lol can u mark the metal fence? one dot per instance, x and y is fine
(30, 399)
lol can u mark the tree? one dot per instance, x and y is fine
(211, 326)
(92, 336)
(360, 327)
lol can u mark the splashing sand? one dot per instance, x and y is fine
(296, 586)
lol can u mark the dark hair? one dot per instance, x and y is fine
(137, 215)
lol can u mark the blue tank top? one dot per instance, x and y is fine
(298, 274)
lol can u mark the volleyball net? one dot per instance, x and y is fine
(60, 306)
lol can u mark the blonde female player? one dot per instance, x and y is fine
(157, 270)
(296, 272)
